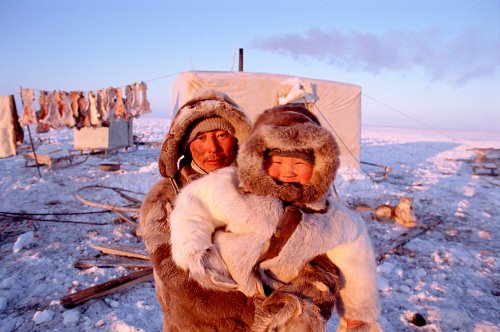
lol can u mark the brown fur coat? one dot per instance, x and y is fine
(194, 308)
(235, 212)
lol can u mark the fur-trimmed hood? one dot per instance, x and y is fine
(288, 127)
(207, 103)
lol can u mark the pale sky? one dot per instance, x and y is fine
(419, 63)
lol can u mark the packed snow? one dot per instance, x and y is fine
(445, 279)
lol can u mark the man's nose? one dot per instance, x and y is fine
(213, 144)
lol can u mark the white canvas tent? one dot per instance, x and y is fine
(10, 131)
(337, 105)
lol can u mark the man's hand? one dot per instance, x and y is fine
(211, 271)
(352, 325)
(284, 311)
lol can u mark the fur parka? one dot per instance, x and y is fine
(223, 222)
(189, 310)
(240, 225)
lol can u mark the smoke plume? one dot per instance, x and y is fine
(457, 60)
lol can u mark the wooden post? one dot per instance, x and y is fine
(94, 292)
(34, 153)
(240, 68)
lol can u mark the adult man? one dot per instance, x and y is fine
(203, 137)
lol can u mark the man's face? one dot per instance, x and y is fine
(214, 149)
(289, 169)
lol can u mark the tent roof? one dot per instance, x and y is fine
(338, 105)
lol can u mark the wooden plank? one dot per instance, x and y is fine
(123, 250)
(108, 287)
(390, 246)
(112, 261)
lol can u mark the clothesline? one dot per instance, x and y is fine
(80, 109)
(92, 90)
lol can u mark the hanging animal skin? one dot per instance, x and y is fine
(129, 99)
(94, 116)
(43, 101)
(74, 95)
(136, 105)
(111, 100)
(120, 111)
(101, 108)
(67, 112)
(145, 103)
(83, 118)
(53, 118)
(28, 117)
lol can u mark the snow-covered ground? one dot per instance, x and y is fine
(449, 275)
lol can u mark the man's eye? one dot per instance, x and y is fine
(200, 138)
(223, 135)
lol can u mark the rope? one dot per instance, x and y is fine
(108, 208)
(113, 208)
(387, 169)
(336, 134)
(54, 220)
(22, 214)
(417, 121)
(120, 86)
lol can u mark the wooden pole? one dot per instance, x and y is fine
(34, 152)
(108, 287)
(240, 68)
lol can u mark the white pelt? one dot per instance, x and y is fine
(94, 115)
(53, 119)
(244, 224)
(67, 117)
(101, 105)
(145, 103)
(28, 117)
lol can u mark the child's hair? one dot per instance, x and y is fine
(306, 155)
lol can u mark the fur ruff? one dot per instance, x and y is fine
(205, 104)
(285, 128)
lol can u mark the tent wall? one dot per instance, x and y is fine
(338, 105)
(10, 129)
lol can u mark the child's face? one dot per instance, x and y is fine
(289, 169)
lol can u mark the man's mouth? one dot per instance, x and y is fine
(214, 161)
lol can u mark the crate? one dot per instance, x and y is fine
(118, 135)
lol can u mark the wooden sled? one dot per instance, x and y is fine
(486, 162)
(47, 155)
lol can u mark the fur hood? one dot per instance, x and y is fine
(288, 127)
(205, 104)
